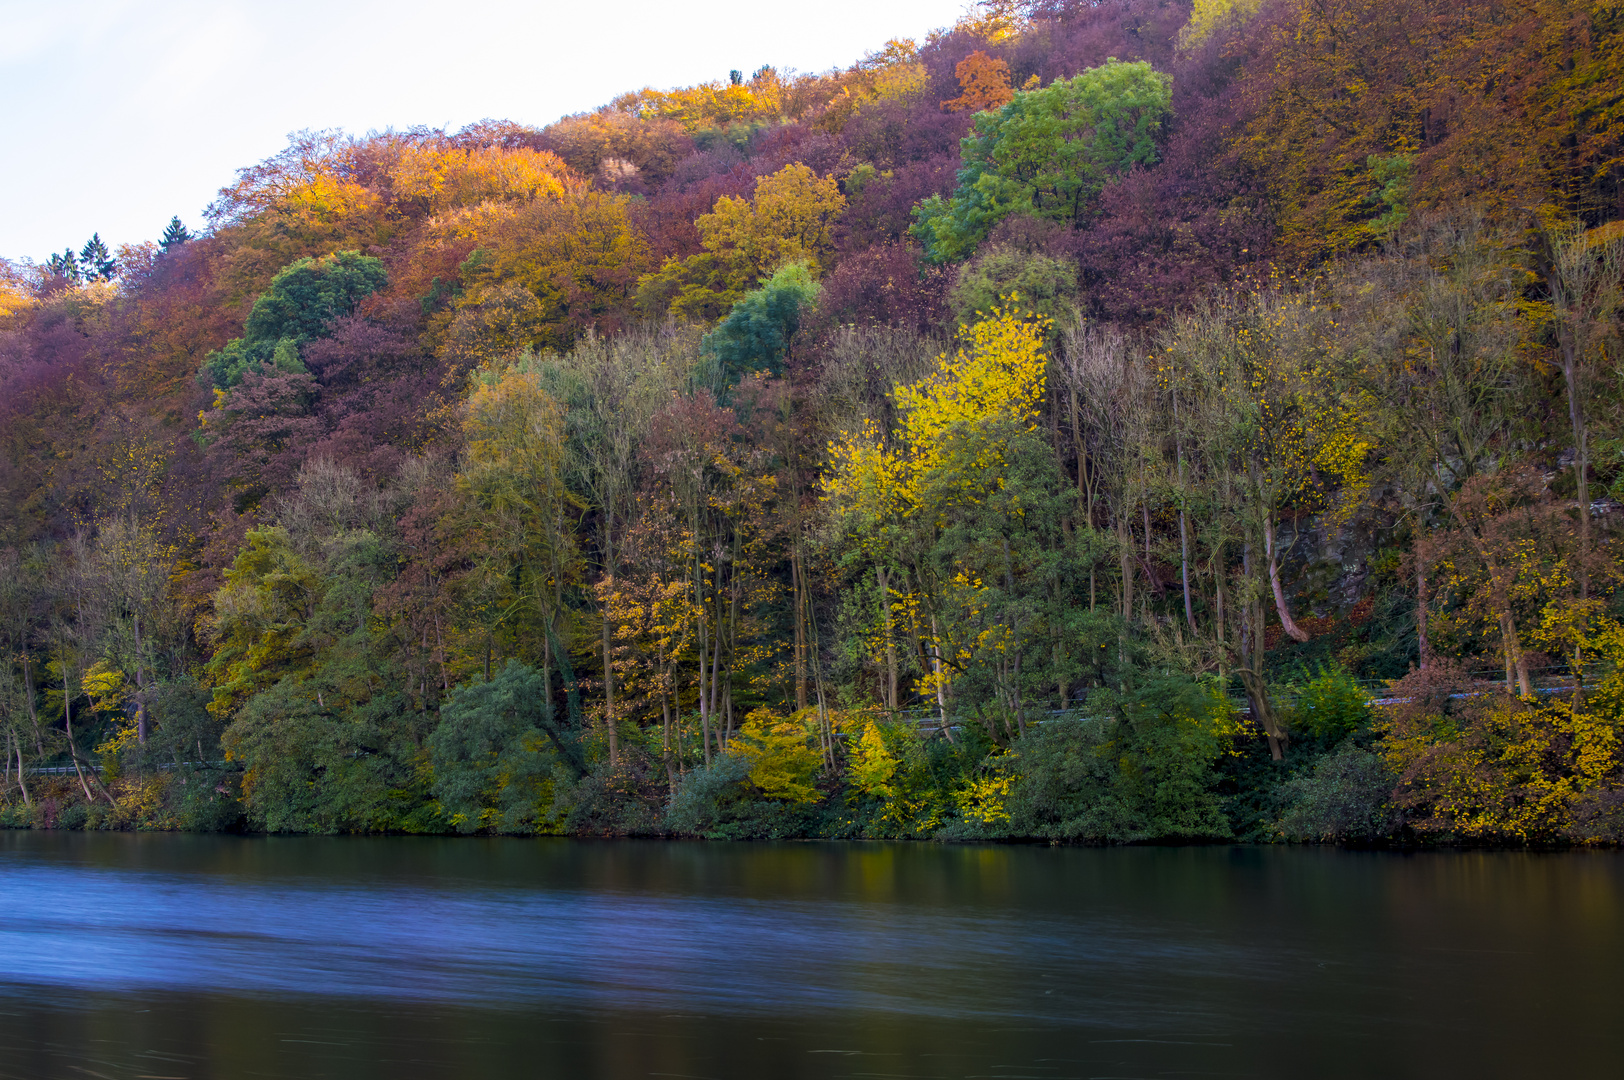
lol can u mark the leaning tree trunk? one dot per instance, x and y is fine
(1287, 623)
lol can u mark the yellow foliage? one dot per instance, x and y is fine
(14, 302)
(984, 800)
(438, 178)
(783, 763)
(105, 686)
(871, 767)
(790, 218)
(1209, 15)
(950, 448)
(997, 376)
(994, 21)
(1510, 768)
(709, 105)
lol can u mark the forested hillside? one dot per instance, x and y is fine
(1062, 427)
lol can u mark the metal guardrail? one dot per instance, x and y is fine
(166, 766)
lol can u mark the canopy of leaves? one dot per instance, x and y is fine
(1048, 153)
(303, 302)
(756, 334)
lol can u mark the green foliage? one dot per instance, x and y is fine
(175, 234)
(903, 783)
(1046, 286)
(1047, 153)
(494, 751)
(96, 263)
(701, 287)
(706, 794)
(303, 301)
(1331, 705)
(1140, 769)
(756, 334)
(326, 738)
(1394, 175)
(1347, 798)
(203, 790)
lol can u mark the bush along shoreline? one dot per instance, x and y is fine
(1169, 762)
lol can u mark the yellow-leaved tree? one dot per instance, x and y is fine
(936, 508)
(789, 218)
(783, 758)
(519, 515)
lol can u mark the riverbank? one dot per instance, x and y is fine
(1084, 782)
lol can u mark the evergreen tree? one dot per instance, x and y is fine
(174, 235)
(95, 261)
(65, 265)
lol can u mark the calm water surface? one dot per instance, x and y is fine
(158, 956)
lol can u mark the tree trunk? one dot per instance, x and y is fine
(140, 688)
(1184, 529)
(609, 696)
(1500, 596)
(940, 678)
(665, 742)
(1423, 646)
(1581, 461)
(797, 588)
(1257, 694)
(1286, 621)
(22, 779)
(1125, 554)
(73, 748)
(890, 687)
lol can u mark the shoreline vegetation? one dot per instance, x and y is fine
(1111, 422)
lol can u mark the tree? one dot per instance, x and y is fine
(1583, 273)
(578, 257)
(756, 334)
(1437, 337)
(610, 389)
(953, 512)
(65, 266)
(1267, 430)
(790, 218)
(175, 234)
(303, 302)
(493, 750)
(95, 261)
(520, 513)
(1047, 153)
(985, 82)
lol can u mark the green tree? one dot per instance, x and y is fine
(493, 752)
(303, 301)
(1048, 153)
(95, 261)
(65, 265)
(175, 234)
(1047, 286)
(756, 334)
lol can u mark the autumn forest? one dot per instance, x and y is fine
(1103, 421)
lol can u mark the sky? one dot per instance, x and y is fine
(125, 112)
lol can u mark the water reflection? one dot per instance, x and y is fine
(151, 956)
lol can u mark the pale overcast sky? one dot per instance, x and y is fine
(121, 113)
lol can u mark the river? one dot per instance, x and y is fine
(169, 956)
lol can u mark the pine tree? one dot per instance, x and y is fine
(95, 261)
(65, 265)
(175, 235)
